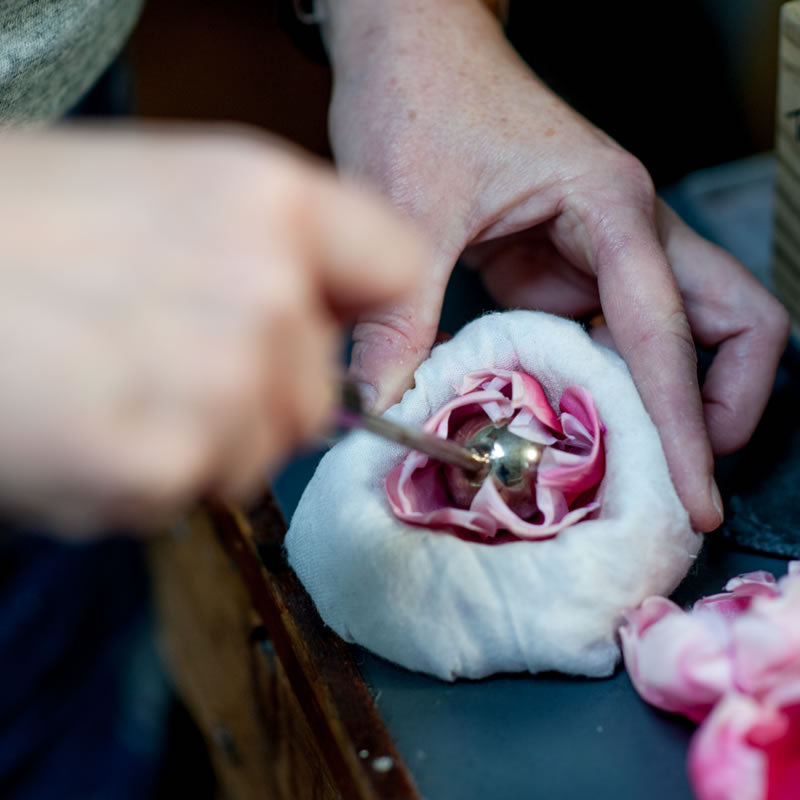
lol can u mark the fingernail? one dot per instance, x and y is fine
(369, 395)
(716, 499)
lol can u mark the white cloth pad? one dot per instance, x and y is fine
(453, 608)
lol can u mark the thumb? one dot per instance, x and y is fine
(391, 342)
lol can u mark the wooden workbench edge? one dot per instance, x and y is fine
(320, 666)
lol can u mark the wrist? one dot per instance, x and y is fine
(351, 29)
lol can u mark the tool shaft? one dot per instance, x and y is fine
(353, 415)
(433, 446)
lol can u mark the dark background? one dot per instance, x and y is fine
(683, 85)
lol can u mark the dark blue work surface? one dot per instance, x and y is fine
(547, 736)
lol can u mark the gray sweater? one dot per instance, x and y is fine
(52, 51)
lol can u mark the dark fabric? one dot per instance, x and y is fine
(761, 483)
(83, 698)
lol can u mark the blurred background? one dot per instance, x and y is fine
(683, 85)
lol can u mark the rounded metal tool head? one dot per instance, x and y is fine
(512, 463)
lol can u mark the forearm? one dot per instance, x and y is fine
(354, 29)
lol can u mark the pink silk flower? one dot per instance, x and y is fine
(569, 475)
(731, 663)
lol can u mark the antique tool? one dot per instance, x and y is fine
(492, 450)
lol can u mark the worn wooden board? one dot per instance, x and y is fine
(320, 667)
(786, 263)
(278, 696)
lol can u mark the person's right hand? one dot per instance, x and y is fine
(169, 315)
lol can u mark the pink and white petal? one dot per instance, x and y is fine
(552, 505)
(527, 392)
(418, 494)
(576, 434)
(724, 764)
(490, 381)
(783, 758)
(488, 501)
(676, 661)
(452, 519)
(759, 578)
(652, 610)
(399, 488)
(483, 378)
(580, 475)
(740, 594)
(464, 519)
(481, 399)
(780, 741)
(767, 641)
(578, 401)
(526, 425)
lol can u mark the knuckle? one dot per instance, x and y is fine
(776, 321)
(673, 331)
(676, 326)
(608, 206)
(625, 184)
(397, 331)
(631, 173)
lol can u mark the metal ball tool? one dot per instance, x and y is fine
(491, 451)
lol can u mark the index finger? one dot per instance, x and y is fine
(644, 311)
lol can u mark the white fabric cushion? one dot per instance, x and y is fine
(452, 608)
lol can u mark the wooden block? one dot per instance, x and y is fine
(786, 257)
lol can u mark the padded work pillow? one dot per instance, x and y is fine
(451, 607)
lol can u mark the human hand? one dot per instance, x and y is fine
(432, 106)
(170, 305)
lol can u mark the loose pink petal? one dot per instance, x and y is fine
(748, 750)
(737, 654)
(760, 578)
(767, 640)
(723, 762)
(676, 661)
(740, 592)
(783, 758)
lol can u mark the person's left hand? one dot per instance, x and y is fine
(432, 105)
